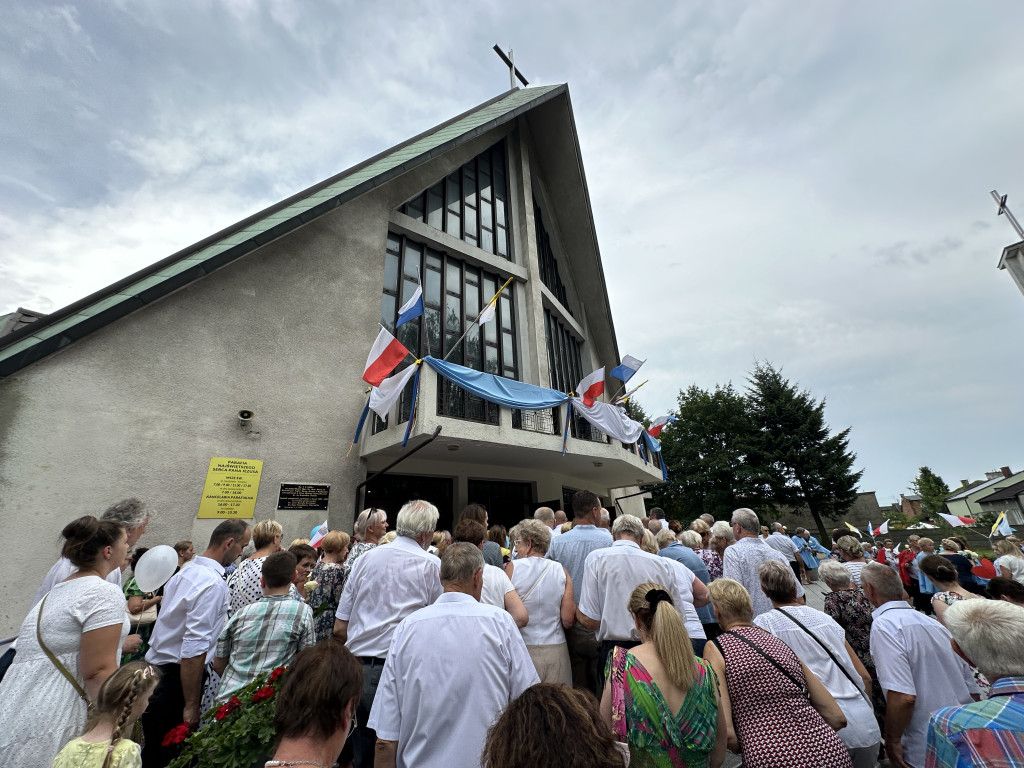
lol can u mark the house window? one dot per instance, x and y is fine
(548, 262)
(470, 203)
(454, 293)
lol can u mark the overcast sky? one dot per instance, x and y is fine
(804, 183)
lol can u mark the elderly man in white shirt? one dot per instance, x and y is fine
(428, 720)
(611, 574)
(192, 615)
(386, 585)
(781, 543)
(917, 668)
(742, 560)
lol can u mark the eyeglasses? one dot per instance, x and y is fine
(352, 725)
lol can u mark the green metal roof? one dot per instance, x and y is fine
(81, 318)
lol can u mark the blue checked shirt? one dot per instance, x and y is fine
(260, 637)
(984, 733)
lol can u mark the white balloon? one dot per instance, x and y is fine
(155, 567)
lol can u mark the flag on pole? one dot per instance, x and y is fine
(956, 520)
(882, 529)
(659, 424)
(412, 309)
(317, 534)
(385, 354)
(625, 371)
(859, 535)
(897, 550)
(871, 531)
(621, 399)
(592, 387)
(382, 397)
(487, 314)
(1001, 526)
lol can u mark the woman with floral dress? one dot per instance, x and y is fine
(659, 698)
(330, 575)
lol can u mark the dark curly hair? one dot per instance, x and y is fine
(534, 731)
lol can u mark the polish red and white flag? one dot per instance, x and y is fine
(387, 352)
(592, 387)
(956, 520)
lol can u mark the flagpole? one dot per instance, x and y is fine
(494, 298)
(633, 391)
(626, 382)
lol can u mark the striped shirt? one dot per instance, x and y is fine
(260, 637)
(984, 733)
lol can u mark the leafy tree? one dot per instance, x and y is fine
(704, 451)
(933, 491)
(636, 412)
(803, 463)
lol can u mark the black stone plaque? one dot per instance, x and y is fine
(303, 496)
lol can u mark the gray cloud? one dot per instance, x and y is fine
(812, 182)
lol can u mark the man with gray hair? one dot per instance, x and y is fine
(654, 525)
(609, 577)
(604, 520)
(493, 667)
(369, 613)
(742, 560)
(132, 514)
(917, 669)
(983, 733)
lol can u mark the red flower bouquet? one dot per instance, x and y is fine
(264, 693)
(227, 709)
(177, 735)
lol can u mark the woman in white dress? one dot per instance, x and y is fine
(820, 643)
(546, 590)
(83, 623)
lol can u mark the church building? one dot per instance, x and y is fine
(250, 345)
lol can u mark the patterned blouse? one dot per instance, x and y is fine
(713, 561)
(657, 736)
(330, 580)
(852, 611)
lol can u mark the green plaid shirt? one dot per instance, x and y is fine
(261, 637)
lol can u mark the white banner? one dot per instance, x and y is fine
(610, 419)
(384, 396)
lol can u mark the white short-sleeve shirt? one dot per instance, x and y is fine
(611, 574)
(386, 585)
(861, 727)
(496, 585)
(912, 655)
(441, 721)
(192, 615)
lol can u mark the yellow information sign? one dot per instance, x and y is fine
(230, 489)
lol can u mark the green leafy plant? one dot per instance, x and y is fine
(238, 734)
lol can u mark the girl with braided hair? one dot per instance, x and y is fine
(121, 701)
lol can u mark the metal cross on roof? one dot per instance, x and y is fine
(1009, 215)
(510, 62)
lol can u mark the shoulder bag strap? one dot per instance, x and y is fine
(774, 663)
(826, 649)
(56, 662)
(544, 572)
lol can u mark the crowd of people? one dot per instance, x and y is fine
(561, 642)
